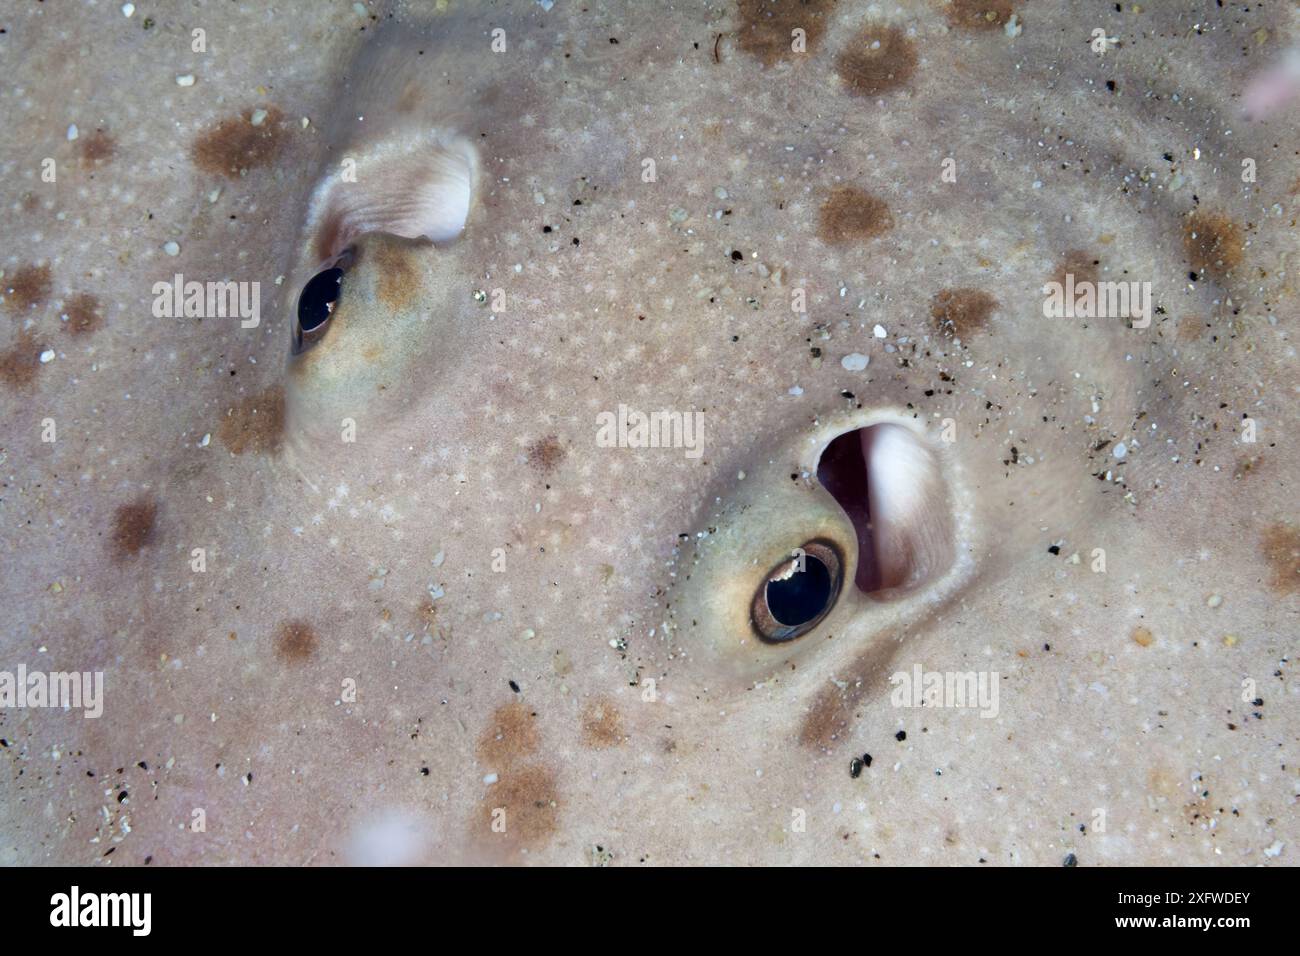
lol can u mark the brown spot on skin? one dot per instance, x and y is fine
(235, 143)
(766, 27)
(853, 215)
(1280, 546)
(1212, 242)
(295, 642)
(97, 148)
(979, 14)
(411, 98)
(1083, 265)
(528, 797)
(1143, 637)
(21, 361)
(602, 725)
(1163, 783)
(833, 708)
(27, 288)
(1190, 328)
(85, 315)
(511, 735)
(960, 313)
(525, 792)
(133, 526)
(878, 60)
(255, 423)
(398, 279)
(829, 715)
(545, 454)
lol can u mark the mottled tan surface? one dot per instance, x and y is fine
(1120, 692)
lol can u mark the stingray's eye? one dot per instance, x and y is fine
(316, 303)
(798, 592)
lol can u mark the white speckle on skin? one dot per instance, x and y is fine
(72, 132)
(854, 362)
(258, 117)
(1120, 451)
(47, 356)
(795, 390)
(171, 248)
(186, 80)
(879, 332)
(490, 778)
(128, 9)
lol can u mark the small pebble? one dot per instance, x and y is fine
(1214, 600)
(1120, 451)
(854, 362)
(72, 132)
(490, 779)
(128, 9)
(186, 80)
(47, 356)
(171, 248)
(879, 332)
(258, 117)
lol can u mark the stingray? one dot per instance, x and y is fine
(739, 433)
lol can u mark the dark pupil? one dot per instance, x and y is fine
(802, 596)
(318, 297)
